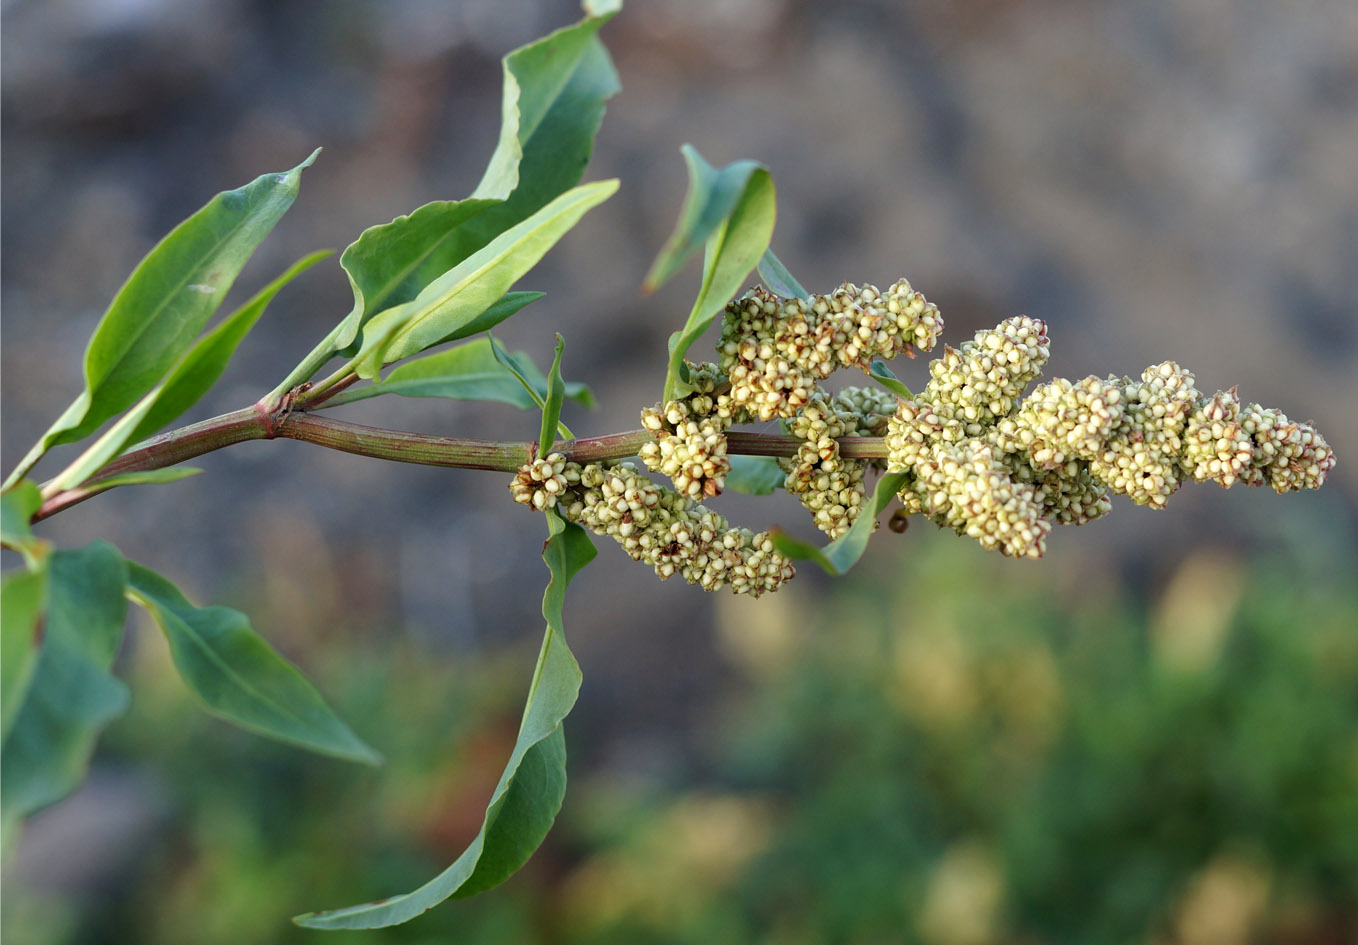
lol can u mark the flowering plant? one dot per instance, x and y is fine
(969, 452)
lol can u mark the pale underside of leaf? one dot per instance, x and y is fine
(471, 287)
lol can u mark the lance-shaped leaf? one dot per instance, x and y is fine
(166, 302)
(473, 285)
(843, 553)
(466, 372)
(551, 405)
(778, 280)
(555, 90)
(238, 676)
(191, 378)
(883, 375)
(529, 794)
(730, 212)
(17, 506)
(755, 475)
(71, 695)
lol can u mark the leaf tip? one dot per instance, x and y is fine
(599, 8)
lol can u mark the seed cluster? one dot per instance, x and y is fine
(775, 351)
(1054, 457)
(655, 524)
(983, 460)
(978, 383)
(690, 432)
(829, 486)
(1286, 455)
(966, 487)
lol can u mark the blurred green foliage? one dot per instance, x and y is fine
(981, 754)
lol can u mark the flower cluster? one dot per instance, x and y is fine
(982, 459)
(829, 486)
(654, 524)
(1001, 472)
(980, 382)
(690, 432)
(774, 351)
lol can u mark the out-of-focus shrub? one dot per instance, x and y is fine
(969, 758)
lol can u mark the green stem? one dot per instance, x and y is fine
(257, 423)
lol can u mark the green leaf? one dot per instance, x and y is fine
(108, 445)
(21, 599)
(532, 380)
(529, 794)
(466, 372)
(711, 199)
(509, 304)
(238, 676)
(778, 280)
(553, 103)
(884, 376)
(166, 302)
(843, 553)
(755, 475)
(555, 90)
(551, 407)
(203, 365)
(468, 289)
(85, 605)
(17, 506)
(192, 377)
(392, 263)
(730, 212)
(71, 695)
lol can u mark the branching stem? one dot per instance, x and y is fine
(257, 423)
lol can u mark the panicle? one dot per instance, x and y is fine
(667, 531)
(981, 458)
(775, 351)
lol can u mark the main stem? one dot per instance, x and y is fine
(256, 423)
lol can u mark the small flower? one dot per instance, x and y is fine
(1140, 457)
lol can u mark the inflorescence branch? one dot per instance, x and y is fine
(976, 456)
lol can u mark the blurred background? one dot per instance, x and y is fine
(1149, 736)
